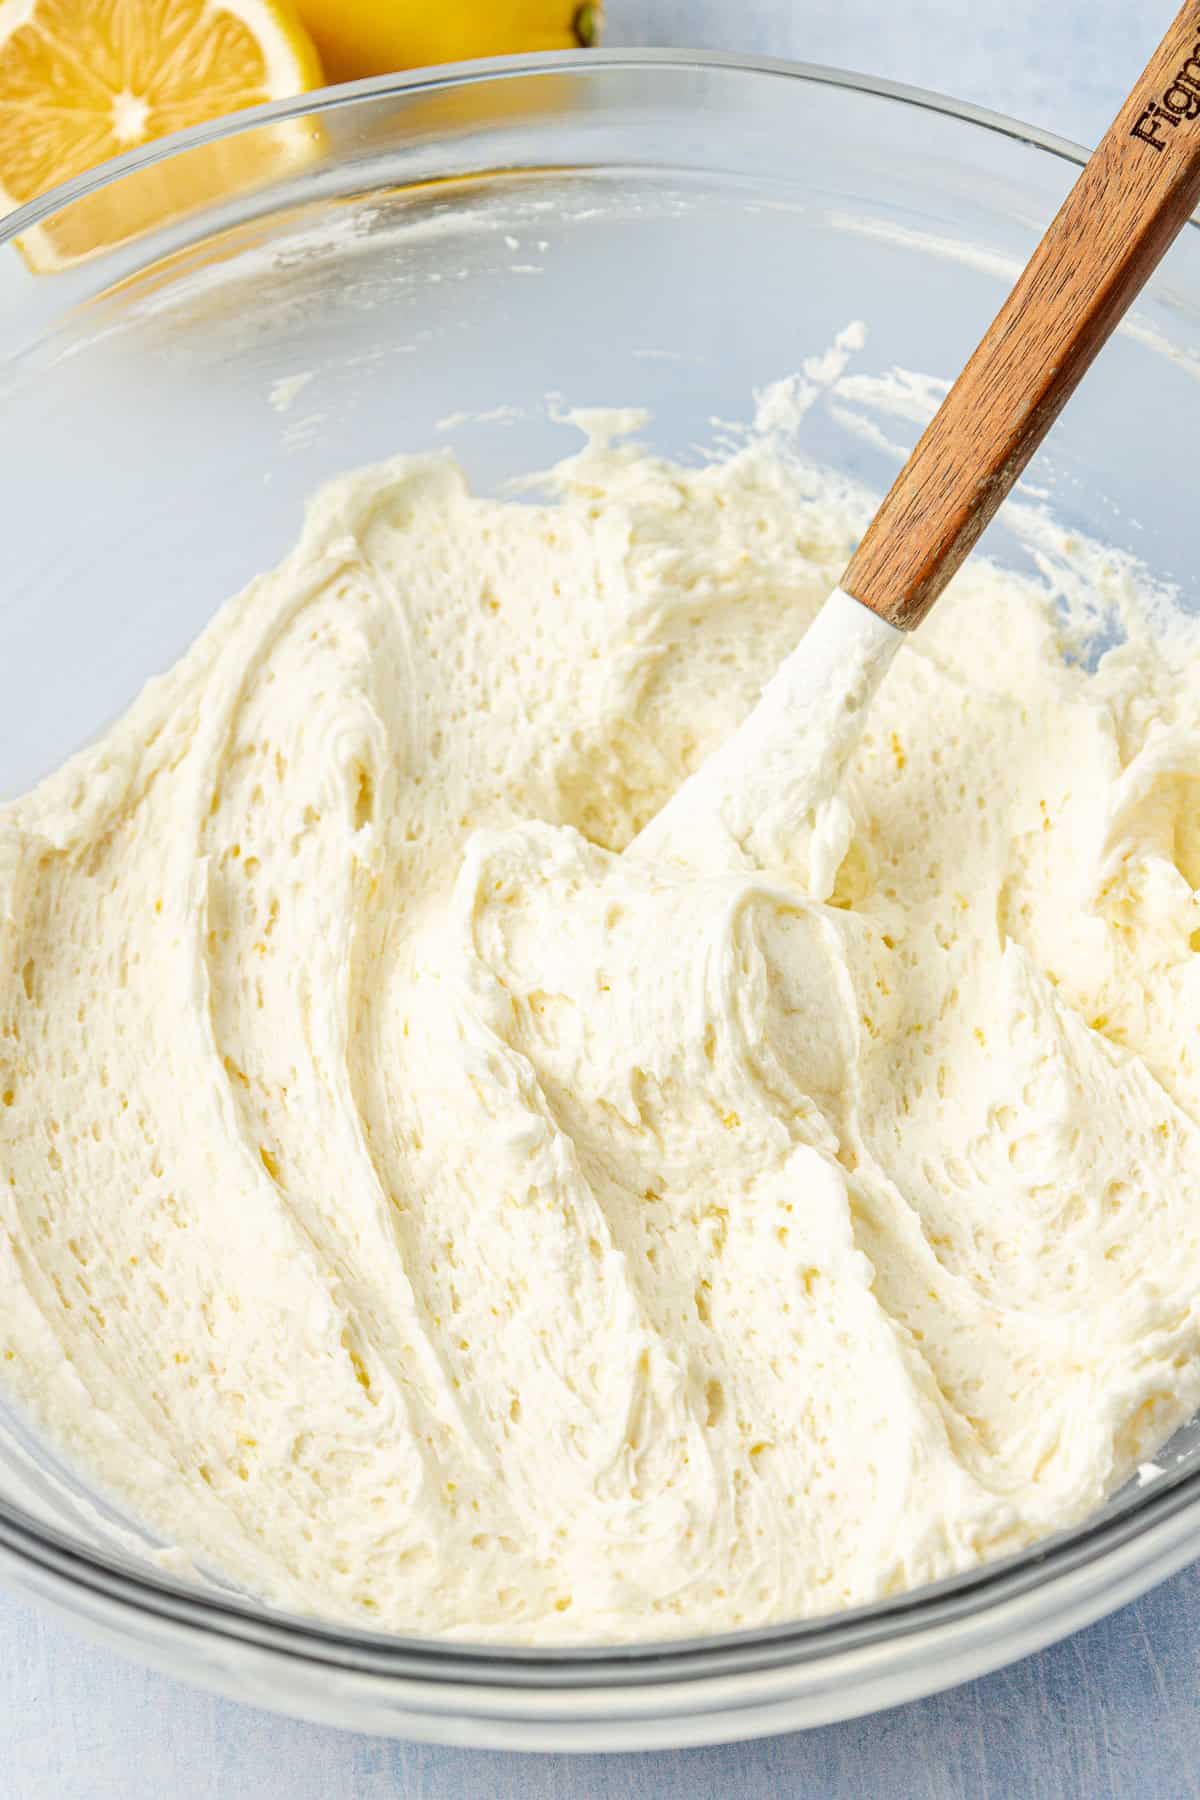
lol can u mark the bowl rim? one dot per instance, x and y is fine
(505, 68)
(50, 1563)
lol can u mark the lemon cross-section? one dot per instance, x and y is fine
(82, 80)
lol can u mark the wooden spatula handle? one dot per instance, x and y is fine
(1131, 200)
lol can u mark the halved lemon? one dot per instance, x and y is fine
(81, 80)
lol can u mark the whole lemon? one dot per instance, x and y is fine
(374, 37)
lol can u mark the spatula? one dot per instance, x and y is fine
(772, 789)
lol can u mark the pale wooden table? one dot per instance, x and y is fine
(1114, 1712)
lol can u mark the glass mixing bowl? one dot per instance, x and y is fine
(446, 251)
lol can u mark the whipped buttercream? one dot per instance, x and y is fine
(430, 1203)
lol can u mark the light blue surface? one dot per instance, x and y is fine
(1114, 1713)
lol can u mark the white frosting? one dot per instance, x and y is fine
(429, 1210)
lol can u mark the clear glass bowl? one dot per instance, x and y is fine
(666, 231)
